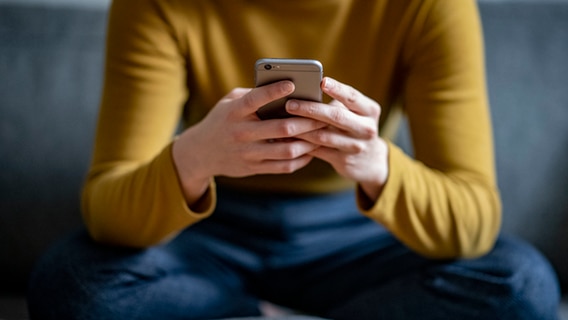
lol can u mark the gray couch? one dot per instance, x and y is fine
(50, 81)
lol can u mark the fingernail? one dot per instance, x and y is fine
(288, 86)
(328, 84)
(293, 105)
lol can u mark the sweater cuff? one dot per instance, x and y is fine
(203, 207)
(383, 207)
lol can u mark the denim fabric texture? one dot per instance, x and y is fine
(315, 254)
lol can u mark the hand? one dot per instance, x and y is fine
(232, 141)
(350, 142)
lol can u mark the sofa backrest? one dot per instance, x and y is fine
(50, 83)
(527, 68)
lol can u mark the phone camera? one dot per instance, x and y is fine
(267, 66)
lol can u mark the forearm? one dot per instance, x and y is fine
(437, 214)
(139, 205)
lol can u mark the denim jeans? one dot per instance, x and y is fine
(315, 254)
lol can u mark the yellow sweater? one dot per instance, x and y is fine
(172, 59)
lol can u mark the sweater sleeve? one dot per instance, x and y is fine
(444, 203)
(132, 195)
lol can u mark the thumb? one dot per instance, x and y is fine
(260, 96)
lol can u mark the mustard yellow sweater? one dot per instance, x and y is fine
(174, 59)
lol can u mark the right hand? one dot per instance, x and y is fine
(232, 141)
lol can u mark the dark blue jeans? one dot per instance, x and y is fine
(315, 254)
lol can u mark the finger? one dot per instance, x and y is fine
(278, 128)
(336, 115)
(328, 155)
(236, 93)
(260, 96)
(284, 166)
(331, 138)
(279, 157)
(285, 149)
(353, 99)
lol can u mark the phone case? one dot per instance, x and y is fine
(305, 73)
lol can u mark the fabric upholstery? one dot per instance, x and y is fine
(50, 79)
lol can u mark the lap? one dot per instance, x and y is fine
(326, 263)
(92, 281)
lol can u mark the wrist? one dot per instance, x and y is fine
(371, 191)
(374, 186)
(193, 181)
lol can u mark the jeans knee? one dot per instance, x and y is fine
(80, 279)
(513, 281)
(65, 281)
(534, 289)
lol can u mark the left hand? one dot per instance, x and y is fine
(350, 142)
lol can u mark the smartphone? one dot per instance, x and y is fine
(305, 73)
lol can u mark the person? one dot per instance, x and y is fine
(321, 213)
